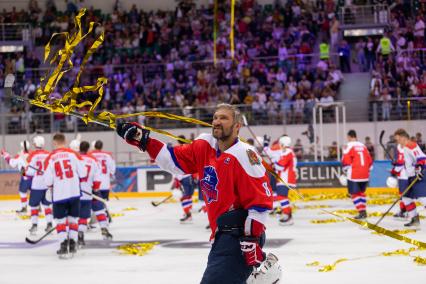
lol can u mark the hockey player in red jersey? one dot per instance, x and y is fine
(63, 172)
(19, 161)
(399, 171)
(415, 164)
(35, 169)
(356, 163)
(235, 187)
(286, 168)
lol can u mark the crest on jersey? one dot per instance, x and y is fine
(209, 184)
(253, 158)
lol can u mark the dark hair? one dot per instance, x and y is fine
(402, 132)
(352, 133)
(84, 146)
(182, 137)
(99, 145)
(59, 137)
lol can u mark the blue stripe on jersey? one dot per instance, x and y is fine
(187, 203)
(259, 209)
(172, 153)
(421, 159)
(356, 201)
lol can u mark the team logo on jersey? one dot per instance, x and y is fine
(209, 183)
(227, 160)
(253, 158)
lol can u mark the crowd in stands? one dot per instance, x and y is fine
(399, 69)
(163, 59)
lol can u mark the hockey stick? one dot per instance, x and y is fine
(383, 145)
(33, 242)
(155, 204)
(398, 199)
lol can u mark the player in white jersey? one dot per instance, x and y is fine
(19, 161)
(415, 164)
(399, 171)
(273, 155)
(64, 170)
(35, 169)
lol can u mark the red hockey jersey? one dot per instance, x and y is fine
(357, 161)
(230, 180)
(286, 167)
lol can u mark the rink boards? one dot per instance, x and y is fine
(151, 181)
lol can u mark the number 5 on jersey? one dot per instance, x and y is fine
(63, 169)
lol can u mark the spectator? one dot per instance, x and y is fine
(298, 149)
(386, 99)
(370, 147)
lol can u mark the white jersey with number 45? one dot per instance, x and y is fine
(107, 165)
(64, 169)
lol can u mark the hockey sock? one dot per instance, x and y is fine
(410, 206)
(277, 199)
(23, 197)
(48, 214)
(61, 229)
(82, 225)
(34, 215)
(359, 201)
(102, 218)
(73, 226)
(402, 206)
(186, 202)
(285, 205)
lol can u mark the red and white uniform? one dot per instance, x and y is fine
(400, 168)
(413, 156)
(19, 161)
(35, 169)
(286, 167)
(273, 152)
(63, 170)
(92, 180)
(230, 180)
(107, 166)
(357, 162)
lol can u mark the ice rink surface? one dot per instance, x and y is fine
(182, 253)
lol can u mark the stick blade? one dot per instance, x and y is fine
(30, 241)
(154, 204)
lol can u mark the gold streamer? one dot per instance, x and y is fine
(231, 33)
(419, 260)
(114, 215)
(315, 263)
(139, 249)
(130, 209)
(401, 232)
(331, 267)
(326, 221)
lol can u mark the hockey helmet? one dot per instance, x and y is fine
(38, 141)
(285, 141)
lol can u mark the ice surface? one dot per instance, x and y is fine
(182, 255)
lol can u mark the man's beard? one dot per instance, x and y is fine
(224, 134)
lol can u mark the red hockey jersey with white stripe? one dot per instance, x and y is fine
(357, 161)
(63, 170)
(413, 156)
(107, 166)
(92, 180)
(286, 167)
(35, 168)
(230, 180)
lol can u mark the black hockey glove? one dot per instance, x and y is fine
(134, 134)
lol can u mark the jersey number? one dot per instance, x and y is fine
(104, 167)
(63, 167)
(361, 157)
(39, 166)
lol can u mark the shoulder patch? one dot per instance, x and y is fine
(253, 158)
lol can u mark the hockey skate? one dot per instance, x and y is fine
(269, 272)
(414, 222)
(362, 215)
(106, 234)
(63, 250)
(81, 242)
(33, 229)
(72, 247)
(286, 220)
(49, 227)
(22, 211)
(275, 211)
(186, 219)
(400, 216)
